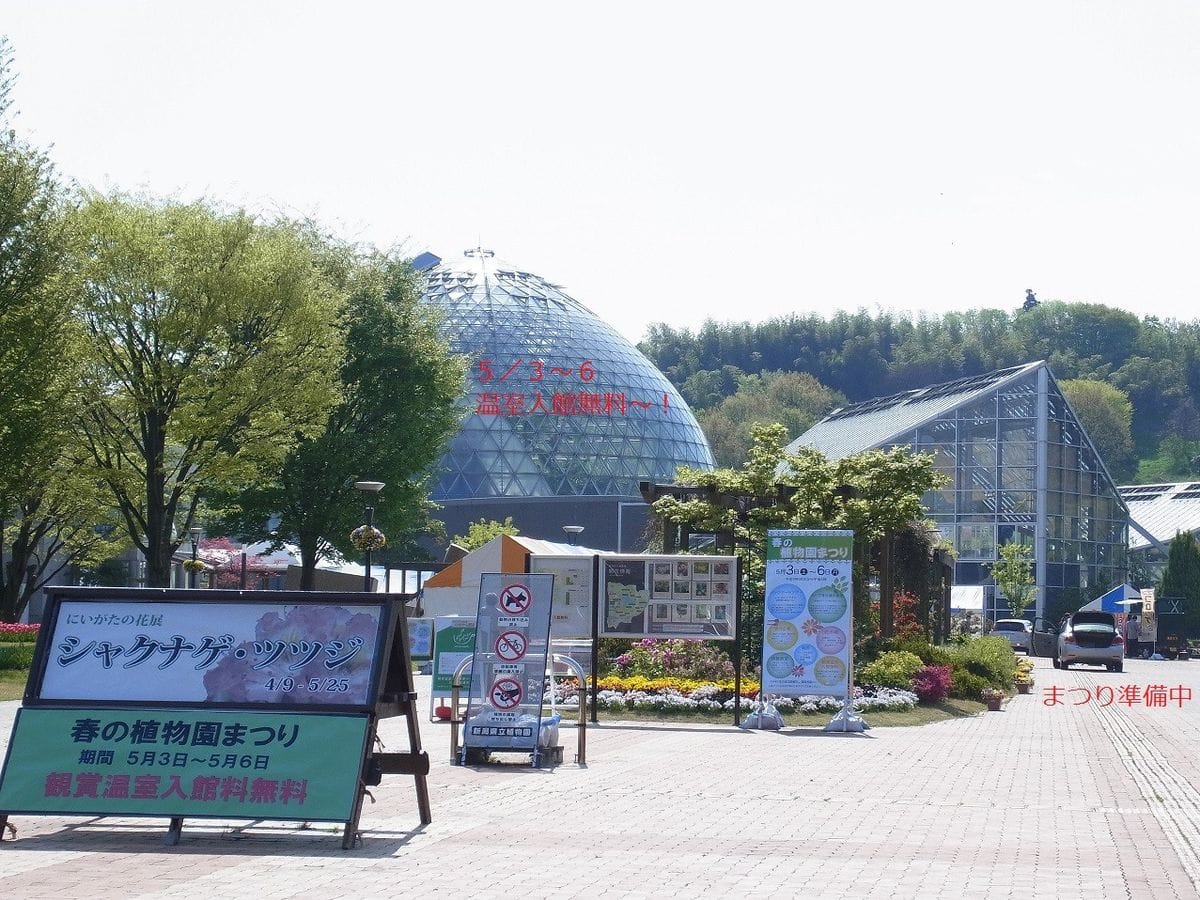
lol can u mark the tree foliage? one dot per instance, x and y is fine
(1181, 579)
(862, 355)
(398, 387)
(37, 331)
(793, 399)
(64, 518)
(1013, 572)
(212, 349)
(479, 533)
(49, 507)
(1106, 415)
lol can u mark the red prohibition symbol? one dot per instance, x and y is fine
(511, 646)
(515, 599)
(506, 693)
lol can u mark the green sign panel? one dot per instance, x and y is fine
(206, 763)
(454, 641)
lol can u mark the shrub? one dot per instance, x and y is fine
(965, 686)
(989, 658)
(652, 658)
(932, 683)
(894, 669)
(16, 656)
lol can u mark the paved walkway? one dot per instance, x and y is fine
(1047, 801)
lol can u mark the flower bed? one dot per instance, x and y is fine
(680, 695)
(15, 633)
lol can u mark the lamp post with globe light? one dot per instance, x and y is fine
(194, 533)
(365, 537)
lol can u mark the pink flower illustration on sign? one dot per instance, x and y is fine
(811, 627)
(300, 654)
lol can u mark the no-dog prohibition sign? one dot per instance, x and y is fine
(515, 599)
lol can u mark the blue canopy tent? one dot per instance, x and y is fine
(1115, 601)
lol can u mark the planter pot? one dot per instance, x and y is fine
(1024, 688)
(993, 703)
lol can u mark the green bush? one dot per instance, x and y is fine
(964, 685)
(893, 668)
(930, 654)
(16, 656)
(989, 658)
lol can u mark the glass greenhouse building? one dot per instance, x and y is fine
(563, 415)
(1021, 468)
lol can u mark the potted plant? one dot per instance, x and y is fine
(1023, 676)
(992, 697)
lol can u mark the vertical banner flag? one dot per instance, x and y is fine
(512, 638)
(808, 614)
(1149, 623)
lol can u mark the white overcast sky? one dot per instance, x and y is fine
(666, 161)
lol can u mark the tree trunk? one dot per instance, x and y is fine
(308, 561)
(159, 564)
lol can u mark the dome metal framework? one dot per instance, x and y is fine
(558, 403)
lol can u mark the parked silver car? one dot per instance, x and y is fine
(1019, 633)
(1092, 638)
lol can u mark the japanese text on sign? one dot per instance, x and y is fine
(1129, 695)
(305, 654)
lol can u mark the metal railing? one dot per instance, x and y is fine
(459, 717)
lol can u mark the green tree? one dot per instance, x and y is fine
(212, 349)
(1181, 578)
(399, 387)
(37, 345)
(1177, 459)
(1013, 572)
(479, 533)
(63, 519)
(1106, 415)
(793, 399)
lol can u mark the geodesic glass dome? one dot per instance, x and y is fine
(561, 405)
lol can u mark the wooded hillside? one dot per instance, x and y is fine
(859, 355)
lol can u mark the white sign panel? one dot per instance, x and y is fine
(571, 611)
(214, 652)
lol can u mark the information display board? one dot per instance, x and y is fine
(512, 637)
(206, 763)
(187, 703)
(219, 652)
(571, 611)
(808, 616)
(669, 596)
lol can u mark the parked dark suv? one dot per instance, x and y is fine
(1090, 637)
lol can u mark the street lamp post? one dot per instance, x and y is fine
(194, 533)
(369, 488)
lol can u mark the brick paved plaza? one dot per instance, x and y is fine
(1035, 801)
